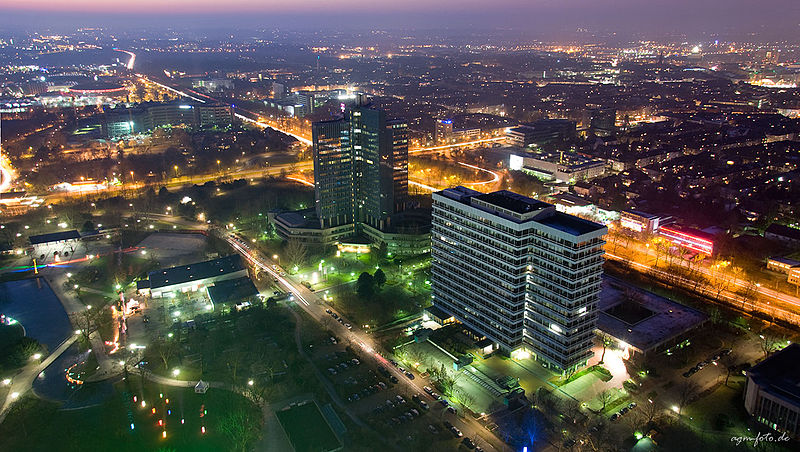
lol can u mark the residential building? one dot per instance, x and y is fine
(517, 271)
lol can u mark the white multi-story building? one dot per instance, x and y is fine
(518, 272)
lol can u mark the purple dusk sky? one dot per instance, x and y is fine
(663, 16)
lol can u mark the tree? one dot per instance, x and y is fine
(380, 278)
(769, 343)
(165, 350)
(687, 391)
(604, 397)
(365, 286)
(295, 252)
(651, 410)
(241, 427)
(606, 341)
(729, 362)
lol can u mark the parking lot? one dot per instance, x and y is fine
(414, 420)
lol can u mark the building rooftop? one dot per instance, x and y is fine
(785, 260)
(195, 272)
(570, 224)
(232, 290)
(512, 201)
(72, 234)
(783, 231)
(639, 213)
(527, 209)
(647, 322)
(778, 374)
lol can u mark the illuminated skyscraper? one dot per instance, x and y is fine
(360, 168)
(520, 273)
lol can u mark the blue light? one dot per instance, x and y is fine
(447, 121)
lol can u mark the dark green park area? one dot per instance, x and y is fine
(231, 422)
(307, 428)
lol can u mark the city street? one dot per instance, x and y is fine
(315, 308)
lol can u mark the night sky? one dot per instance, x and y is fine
(777, 18)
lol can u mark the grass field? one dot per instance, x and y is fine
(38, 425)
(307, 429)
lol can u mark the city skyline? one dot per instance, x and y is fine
(353, 226)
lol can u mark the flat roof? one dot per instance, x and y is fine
(512, 201)
(783, 231)
(785, 260)
(570, 224)
(523, 205)
(668, 319)
(54, 237)
(232, 290)
(195, 272)
(778, 374)
(639, 213)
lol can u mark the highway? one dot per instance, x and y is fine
(315, 308)
(726, 295)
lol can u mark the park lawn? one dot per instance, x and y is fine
(725, 401)
(386, 305)
(38, 425)
(307, 429)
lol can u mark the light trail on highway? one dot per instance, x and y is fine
(725, 294)
(455, 145)
(299, 138)
(131, 61)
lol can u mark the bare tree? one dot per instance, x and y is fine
(241, 427)
(295, 252)
(604, 397)
(688, 390)
(769, 343)
(165, 349)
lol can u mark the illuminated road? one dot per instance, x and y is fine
(186, 181)
(6, 170)
(262, 124)
(6, 174)
(726, 295)
(455, 145)
(315, 308)
(131, 61)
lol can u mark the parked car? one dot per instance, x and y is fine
(432, 429)
(428, 390)
(468, 443)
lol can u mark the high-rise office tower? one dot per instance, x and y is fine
(333, 173)
(360, 167)
(519, 272)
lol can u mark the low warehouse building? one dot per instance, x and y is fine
(192, 277)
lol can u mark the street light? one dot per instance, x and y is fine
(175, 372)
